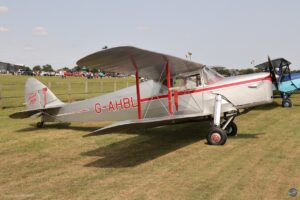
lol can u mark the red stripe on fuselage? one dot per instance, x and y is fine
(208, 89)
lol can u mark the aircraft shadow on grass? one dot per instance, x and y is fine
(271, 106)
(150, 144)
(268, 106)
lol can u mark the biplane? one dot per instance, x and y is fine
(286, 82)
(175, 91)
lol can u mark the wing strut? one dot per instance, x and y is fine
(137, 84)
(168, 76)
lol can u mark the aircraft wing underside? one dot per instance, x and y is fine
(128, 60)
(149, 122)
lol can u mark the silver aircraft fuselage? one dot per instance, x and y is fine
(242, 91)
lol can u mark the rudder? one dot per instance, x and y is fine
(39, 96)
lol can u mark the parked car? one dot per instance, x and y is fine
(25, 72)
(44, 73)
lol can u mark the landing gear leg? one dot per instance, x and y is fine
(41, 123)
(286, 101)
(231, 127)
(216, 135)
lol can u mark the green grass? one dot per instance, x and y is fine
(173, 162)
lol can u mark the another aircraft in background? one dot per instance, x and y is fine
(286, 82)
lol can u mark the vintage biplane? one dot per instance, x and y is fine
(176, 91)
(286, 82)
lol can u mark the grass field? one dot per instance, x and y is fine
(173, 162)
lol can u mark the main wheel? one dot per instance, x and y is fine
(287, 103)
(231, 129)
(216, 136)
(40, 124)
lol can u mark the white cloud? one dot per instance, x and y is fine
(40, 31)
(143, 28)
(3, 29)
(3, 9)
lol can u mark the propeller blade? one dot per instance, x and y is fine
(272, 73)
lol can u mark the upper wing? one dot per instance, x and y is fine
(149, 122)
(276, 63)
(127, 59)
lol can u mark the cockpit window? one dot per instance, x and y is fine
(189, 82)
(210, 76)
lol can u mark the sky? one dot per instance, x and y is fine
(229, 33)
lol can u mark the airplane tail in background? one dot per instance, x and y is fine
(39, 96)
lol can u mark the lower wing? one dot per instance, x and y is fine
(149, 122)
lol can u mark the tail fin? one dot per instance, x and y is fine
(39, 96)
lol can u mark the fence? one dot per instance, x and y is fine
(12, 94)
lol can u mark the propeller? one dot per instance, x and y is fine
(272, 73)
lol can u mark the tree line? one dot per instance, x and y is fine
(48, 68)
(233, 72)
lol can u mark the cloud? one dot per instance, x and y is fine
(3, 29)
(40, 31)
(3, 9)
(144, 28)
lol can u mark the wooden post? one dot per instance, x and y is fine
(49, 85)
(86, 89)
(127, 83)
(69, 91)
(0, 95)
(101, 86)
(115, 85)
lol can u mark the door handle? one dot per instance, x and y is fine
(253, 86)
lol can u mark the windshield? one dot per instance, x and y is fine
(210, 76)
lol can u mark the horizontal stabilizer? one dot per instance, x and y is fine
(148, 122)
(29, 113)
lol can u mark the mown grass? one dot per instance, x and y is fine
(173, 162)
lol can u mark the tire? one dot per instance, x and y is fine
(231, 129)
(40, 124)
(287, 103)
(216, 136)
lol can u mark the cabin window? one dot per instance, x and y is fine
(165, 82)
(188, 82)
(164, 86)
(210, 76)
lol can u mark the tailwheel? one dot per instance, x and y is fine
(40, 124)
(287, 103)
(231, 129)
(216, 136)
